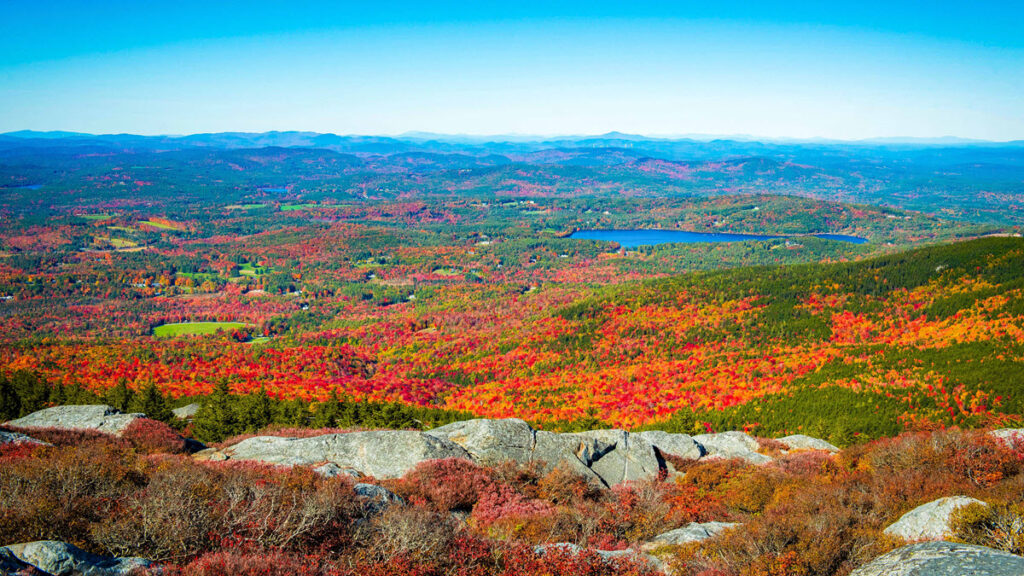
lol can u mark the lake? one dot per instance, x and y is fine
(634, 238)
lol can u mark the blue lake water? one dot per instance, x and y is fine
(634, 238)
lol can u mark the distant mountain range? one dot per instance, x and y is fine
(693, 147)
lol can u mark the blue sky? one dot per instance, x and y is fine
(768, 69)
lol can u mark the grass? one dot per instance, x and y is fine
(290, 207)
(103, 216)
(161, 225)
(194, 328)
(249, 269)
(122, 243)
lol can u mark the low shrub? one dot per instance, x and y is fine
(451, 484)
(154, 437)
(996, 526)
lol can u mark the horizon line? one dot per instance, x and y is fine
(533, 137)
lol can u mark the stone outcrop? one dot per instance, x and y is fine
(678, 445)
(623, 457)
(732, 445)
(382, 454)
(801, 442)
(376, 499)
(650, 561)
(491, 441)
(1009, 435)
(693, 532)
(18, 438)
(11, 565)
(943, 559)
(608, 456)
(929, 521)
(187, 411)
(100, 417)
(62, 559)
(330, 470)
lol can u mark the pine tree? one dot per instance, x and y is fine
(120, 396)
(10, 402)
(328, 412)
(216, 419)
(152, 403)
(255, 411)
(293, 412)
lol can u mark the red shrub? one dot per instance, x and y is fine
(153, 437)
(17, 450)
(524, 561)
(983, 460)
(564, 487)
(499, 502)
(687, 503)
(448, 484)
(230, 563)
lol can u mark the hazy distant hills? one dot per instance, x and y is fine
(982, 181)
(513, 146)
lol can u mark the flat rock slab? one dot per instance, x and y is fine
(11, 565)
(678, 445)
(491, 441)
(606, 456)
(652, 562)
(929, 521)
(943, 559)
(187, 411)
(376, 499)
(88, 417)
(624, 457)
(382, 454)
(693, 532)
(732, 445)
(18, 438)
(63, 559)
(1009, 435)
(802, 442)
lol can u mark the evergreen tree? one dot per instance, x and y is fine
(328, 412)
(10, 402)
(120, 396)
(255, 411)
(216, 420)
(293, 412)
(33, 391)
(152, 403)
(57, 396)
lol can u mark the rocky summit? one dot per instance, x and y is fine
(609, 457)
(101, 418)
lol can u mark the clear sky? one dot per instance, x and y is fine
(849, 70)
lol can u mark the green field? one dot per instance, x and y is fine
(194, 328)
(160, 225)
(290, 207)
(102, 216)
(250, 269)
